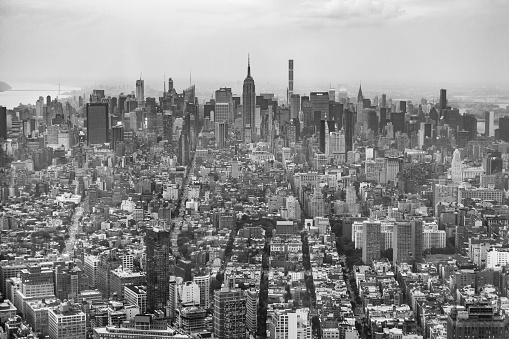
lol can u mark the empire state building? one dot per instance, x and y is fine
(248, 104)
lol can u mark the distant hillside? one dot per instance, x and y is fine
(4, 86)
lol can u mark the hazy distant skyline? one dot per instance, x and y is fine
(347, 41)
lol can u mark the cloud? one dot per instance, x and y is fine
(328, 13)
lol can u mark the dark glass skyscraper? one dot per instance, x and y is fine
(3, 122)
(248, 104)
(158, 244)
(97, 123)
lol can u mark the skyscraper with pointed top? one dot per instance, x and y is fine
(360, 97)
(248, 104)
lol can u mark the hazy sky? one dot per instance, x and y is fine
(332, 41)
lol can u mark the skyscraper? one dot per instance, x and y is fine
(140, 91)
(229, 314)
(157, 243)
(349, 125)
(456, 167)
(97, 123)
(290, 80)
(443, 99)
(489, 123)
(504, 128)
(248, 104)
(371, 241)
(3, 122)
(168, 126)
(320, 104)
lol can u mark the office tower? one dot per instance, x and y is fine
(294, 105)
(229, 314)
(372, 121)
(489, 123)
(349, 125)
(503, 124)
(342, 93)
(3, 123)
(371, 241)
(168, 126)
(383, 102)
(252, 298)
(417, 239)
(136, 295)
(67, 321)
(401, 106)
(398, 121)
(321, 135)
(248, 104)
(204, 283)
(305, 106)
(443, 99)
(336, 113)
(402, 242)
(407, 241)
(469, 123)
(286, 324)
(478, 321)
(140, 91)
(492, 163)
(221, 134)
(67, 282)
(319, 105)
(456, 173)
(224, 97)
(290, 81)
(222, 112)
(97, 123)
(158, 244)
(383, 119)
(117, 134)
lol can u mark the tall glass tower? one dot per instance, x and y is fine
(158, 244)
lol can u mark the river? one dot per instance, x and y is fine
(28, 93)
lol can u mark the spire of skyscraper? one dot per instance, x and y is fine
(248, 66)
(360, 97)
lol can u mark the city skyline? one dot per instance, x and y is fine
(330, 41)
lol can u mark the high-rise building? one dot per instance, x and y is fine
(402, 242)
(456, 174)
(349, 125)
(168, 126)
(3, 123)
(221, 112)
(117, 134)
(320, 104)
(489, 123)
(248, 104)
(371, 241)
(504, 128)
(67, 321)
(290, 81)
(443, 99)
(221, 134)
(407, 241)
(224, 97)
(204, 283)
(252, 299)
(229, 314)
(140, 91)
(478, 321)
(97, 123)
(398, 121)
(287, 324)
(158, 244)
